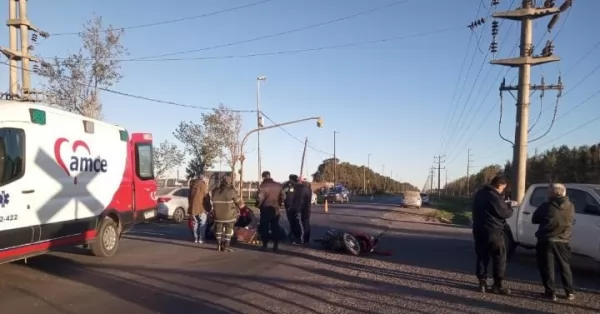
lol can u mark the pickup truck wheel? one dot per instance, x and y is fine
(511, 246)
(107, 239)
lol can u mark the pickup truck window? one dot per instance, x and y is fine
(584, 202)
(538, 196)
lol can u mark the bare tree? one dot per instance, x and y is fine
(223, 126)
(166, 157)
(73, 83)
(201, 148)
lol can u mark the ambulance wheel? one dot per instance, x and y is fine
(179, 215)
(351, 244)
(107, 239)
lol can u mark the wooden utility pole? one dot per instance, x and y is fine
(525, 15)
(303, 157)
(19, 27)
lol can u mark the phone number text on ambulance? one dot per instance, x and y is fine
(6, 218)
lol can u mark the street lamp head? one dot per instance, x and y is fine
(261, 78)
(320, 122)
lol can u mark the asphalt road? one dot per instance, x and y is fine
(159, 271)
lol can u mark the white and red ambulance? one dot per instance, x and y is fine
(69, 180)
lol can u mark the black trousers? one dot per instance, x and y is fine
(490, 246)
(305, 222)
(269, 228)
(548, 253)
(296, 229)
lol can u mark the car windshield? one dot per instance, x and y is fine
(424, 195)
(164, 191)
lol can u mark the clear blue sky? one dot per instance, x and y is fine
(389, 99)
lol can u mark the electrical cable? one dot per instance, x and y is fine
(460, 74)
(295, 51)
(595, 94)
(462, 134)
(166, 102)
(287, 32)
(454, 127)
(295, 137)
(194, 17)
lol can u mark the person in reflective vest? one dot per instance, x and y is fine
(226, 205)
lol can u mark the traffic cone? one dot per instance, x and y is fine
(325, 206)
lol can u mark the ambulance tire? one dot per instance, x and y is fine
(107, 239)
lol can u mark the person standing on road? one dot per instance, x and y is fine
(293, 214)
(226, 205)
(555, 219)
(490, 212)
(198, 207)
(269, 200)
(299, 204)
(305, 212)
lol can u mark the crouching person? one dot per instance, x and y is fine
(226, 204)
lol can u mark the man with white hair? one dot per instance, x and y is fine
(555, 219)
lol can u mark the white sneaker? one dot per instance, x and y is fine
(199, 241)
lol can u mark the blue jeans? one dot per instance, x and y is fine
(199, 226)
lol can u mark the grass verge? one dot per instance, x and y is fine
(455, 210)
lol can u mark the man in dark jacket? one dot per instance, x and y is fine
(299, 205)
(305, 212)
(555, 219)
(490, 212)
(226, 205)
(269, 199)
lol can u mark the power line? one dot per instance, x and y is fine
(287, 32)
(295, 137)
(452, 101)
(595, 94)
(456, 127)
(194, 17)
(166, 102)
(295, 51)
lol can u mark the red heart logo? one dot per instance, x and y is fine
(57, 154)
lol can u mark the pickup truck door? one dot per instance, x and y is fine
(526, 230)
(585, 237)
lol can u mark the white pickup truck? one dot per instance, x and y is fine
(585, 237)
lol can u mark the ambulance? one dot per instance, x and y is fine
(68, 180)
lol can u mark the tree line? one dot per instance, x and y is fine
(355, 178)
(559, 164)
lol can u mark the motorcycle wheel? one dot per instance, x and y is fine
(351, 244)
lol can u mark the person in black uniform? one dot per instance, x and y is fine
(305, 211)
(293, 216)
(300, 201)
(490, 212)
(269, 200)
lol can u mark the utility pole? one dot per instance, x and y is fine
(525, 15)
(334, 158)
(431, 179)
(383, 175)
(365, 173)
(18, 21)
(392, 179)
(439, 161)
(303, 157)
(259, 122)
(469, 166)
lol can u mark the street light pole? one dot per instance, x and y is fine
(365, 173)
(334, 159)
(259, 122)
(242, 158)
